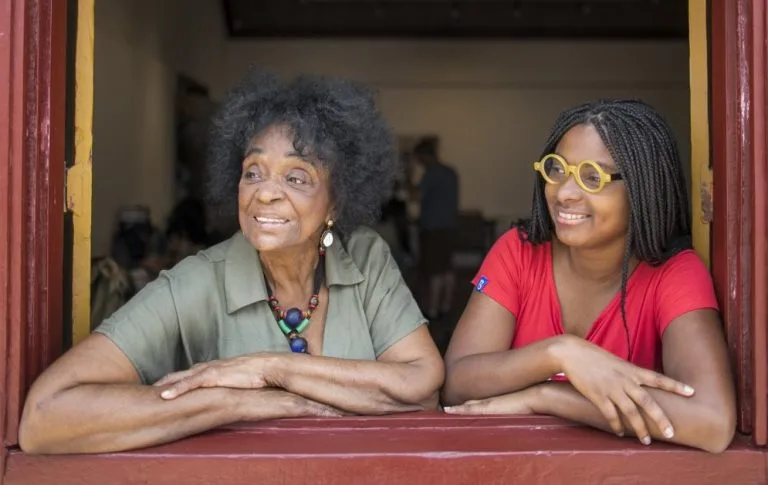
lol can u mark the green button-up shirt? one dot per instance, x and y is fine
(214, 306)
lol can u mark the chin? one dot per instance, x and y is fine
(576, 237)
(265, 242)
(572, 242)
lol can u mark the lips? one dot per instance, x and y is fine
(571, 217)
(566, 217)
(270, 220)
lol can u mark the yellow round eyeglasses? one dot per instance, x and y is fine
(588, 174)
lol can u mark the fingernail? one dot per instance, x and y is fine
(669, 432)
(646, 440)
(166, 394)
(447, 409)
(688, 390)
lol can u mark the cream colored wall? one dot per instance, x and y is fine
(491, 102)
(133, 119)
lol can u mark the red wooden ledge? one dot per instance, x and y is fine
(418, 448)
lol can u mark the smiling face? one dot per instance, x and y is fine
(283, 201)
(582, 219)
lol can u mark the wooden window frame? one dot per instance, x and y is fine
(528, 449)
(32, 111)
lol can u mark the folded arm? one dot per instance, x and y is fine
(706, 420)
(618, 397)
(405, 377)
(91, 401)
(479, 363)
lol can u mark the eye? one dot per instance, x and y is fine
(251, 174)
(297, 177)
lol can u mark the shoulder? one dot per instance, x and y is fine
(366, 247)
(680, 285)
(199, 272)
(685, 268)
(513, 257)
(514, 244)
(216, 253)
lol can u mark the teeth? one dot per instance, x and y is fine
(270, 220)
(572, 217)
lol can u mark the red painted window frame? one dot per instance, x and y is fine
(32, 93)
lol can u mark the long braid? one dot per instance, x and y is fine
(643, 147)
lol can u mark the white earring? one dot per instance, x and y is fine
(327, 238)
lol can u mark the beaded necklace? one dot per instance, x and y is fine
(293, 322)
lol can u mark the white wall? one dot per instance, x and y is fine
(134, 85)
(491, 102)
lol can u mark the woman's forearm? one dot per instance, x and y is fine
(98, 418)
(481, 376)
(360, 387)
(695, 424)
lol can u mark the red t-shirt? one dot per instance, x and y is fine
(518, 276)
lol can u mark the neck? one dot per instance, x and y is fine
(598, 265)
(289, 269)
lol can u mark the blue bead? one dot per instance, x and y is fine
(298, 345)
(293, 317)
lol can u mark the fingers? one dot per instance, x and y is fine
(324, 411)
(174, 377)
(204, 378)
(609, 411)
(470, 408)
(653, 379)
(650, 407)
(632, 414)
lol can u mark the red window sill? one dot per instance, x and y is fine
(417, 448)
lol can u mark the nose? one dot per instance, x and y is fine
(569, 190)
(269, 191)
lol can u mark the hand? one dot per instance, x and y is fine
(277, 403)
(245, 372)
(518, 402)
(610, 383)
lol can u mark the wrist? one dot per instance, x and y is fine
(540, 397)
(274, 370)
(557, 350)
(235, 401)
(260, 404)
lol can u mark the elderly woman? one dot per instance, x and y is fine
(302, 312)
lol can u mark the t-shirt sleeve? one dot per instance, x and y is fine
(390, 307)
(146, 329)
(499, 275)
(686, 285)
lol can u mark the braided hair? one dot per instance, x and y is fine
(643, 147)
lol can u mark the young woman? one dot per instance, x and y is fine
(596, 309)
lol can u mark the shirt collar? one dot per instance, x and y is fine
(244, 278)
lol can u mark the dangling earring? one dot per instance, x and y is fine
(327, 238)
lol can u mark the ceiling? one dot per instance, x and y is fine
(628, 19)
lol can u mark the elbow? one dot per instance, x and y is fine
(452, 392)
(29, 432)
(721, 428)
(422, 390)
(448, 397)
(36, 435)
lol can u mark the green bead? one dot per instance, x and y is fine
(303, 325)
(283, 327)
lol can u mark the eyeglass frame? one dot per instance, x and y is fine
(605, 177)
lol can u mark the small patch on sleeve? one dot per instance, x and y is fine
(481, 284)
